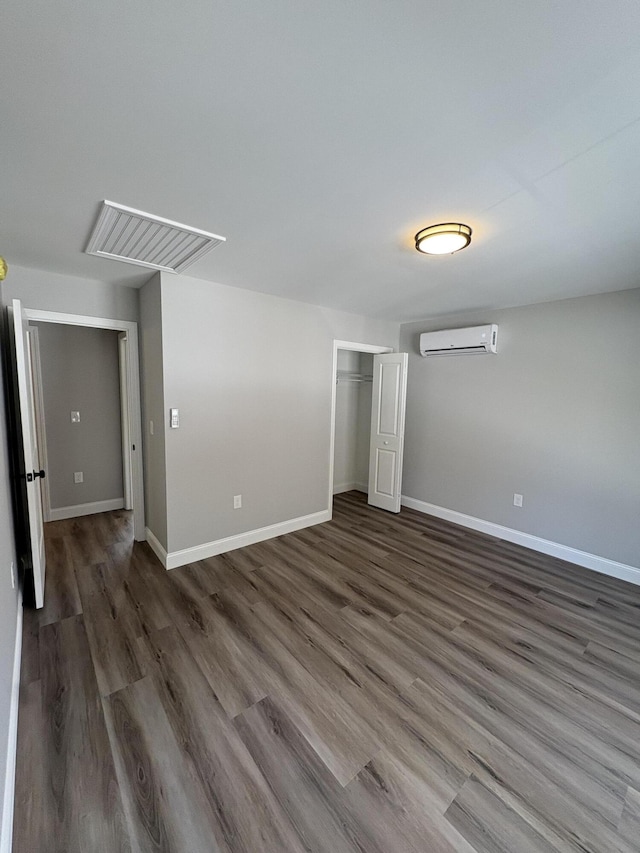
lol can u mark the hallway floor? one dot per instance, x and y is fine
(379, 684)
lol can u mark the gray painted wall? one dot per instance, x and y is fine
(363, 425)
(48, 291)
(252, 376)
(152, 389)
(346, 430)
(80, 373)
(8, 596)
(554, 416)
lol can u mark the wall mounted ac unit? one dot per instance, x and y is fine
(475, 339)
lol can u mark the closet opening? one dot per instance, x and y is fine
(351, 411)
(354, 381)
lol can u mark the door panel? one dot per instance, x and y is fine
(30, 448)
(389, 390)
(387, 430)
(385, 472)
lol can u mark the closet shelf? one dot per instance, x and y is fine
(353, 376)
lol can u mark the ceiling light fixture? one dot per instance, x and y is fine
(443, 239)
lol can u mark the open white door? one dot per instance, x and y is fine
(387, 430)
(30, 447)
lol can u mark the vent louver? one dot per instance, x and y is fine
(124, 234)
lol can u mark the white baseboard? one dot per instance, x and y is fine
(158, 549)
(350, 487)
(174, 559)
(545, 546)
(85, 509)
(6, 836)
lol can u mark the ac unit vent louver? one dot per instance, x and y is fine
(124, 234)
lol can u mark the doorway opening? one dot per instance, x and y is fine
(368, 383)
(79, 384)
(128, 401)
(352, 431)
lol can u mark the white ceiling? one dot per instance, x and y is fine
(319, 137)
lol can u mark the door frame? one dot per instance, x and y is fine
(41, 429)
(354, 346)
(125, 419)
(131, 374)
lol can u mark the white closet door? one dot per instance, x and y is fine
(387, 430)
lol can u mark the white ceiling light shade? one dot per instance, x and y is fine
(124, 234)
(443, 239)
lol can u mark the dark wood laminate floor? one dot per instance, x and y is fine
(380, 684)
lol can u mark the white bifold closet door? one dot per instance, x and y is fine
(387, 430)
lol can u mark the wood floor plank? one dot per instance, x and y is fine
(483, 660)
(245, 815)
(112, 627)
(166, 808)
(84, 803)
(34, 812)
(401, 808)
(220, 640)
(341, 737)
(549, 806)
(30, 663)
(305, 788)
(630, 820)
(490, 825)
(62, 598)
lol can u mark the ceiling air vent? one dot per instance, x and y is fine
(124, 234)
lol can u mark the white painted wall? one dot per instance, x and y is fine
(252, 377)
(554, 416)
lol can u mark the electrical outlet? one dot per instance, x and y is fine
(78, 477)
(517, 500)
(13, 577)
(237, 501)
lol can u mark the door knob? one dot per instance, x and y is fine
(39, 473)
(385, 442)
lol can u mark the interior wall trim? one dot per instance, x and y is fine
(174, 559)
(527, 540)
(350, 487)
(6, 836)
(157, 547)
(86, 509)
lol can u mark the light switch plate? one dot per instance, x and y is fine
(75, 417)
(175, 418)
